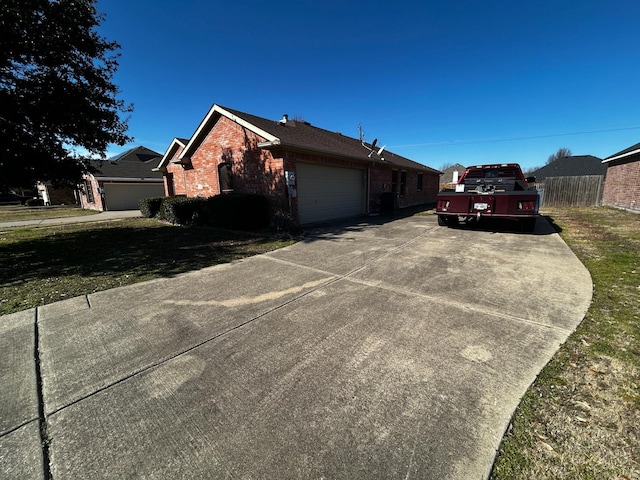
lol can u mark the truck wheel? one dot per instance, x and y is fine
(442, 220)
(528, 225)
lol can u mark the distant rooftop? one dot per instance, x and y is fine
(136, 162)
(574, 166)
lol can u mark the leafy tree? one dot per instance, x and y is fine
(561, 153)
(56, 91)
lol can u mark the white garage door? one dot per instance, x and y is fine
(327, 193)
(127, 196)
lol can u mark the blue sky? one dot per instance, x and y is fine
(438, 82)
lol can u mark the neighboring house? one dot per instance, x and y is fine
(51, 195)
(450, 176)
(574, 166)
(122, 181)
(571, 181)
(309, 173)
(622, 185)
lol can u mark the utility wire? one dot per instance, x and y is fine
(497, 140)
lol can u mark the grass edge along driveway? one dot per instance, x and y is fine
(43, 265)
(580, 419)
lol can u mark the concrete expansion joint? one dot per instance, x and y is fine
(460, 304)
(42, 416)
(324, 284)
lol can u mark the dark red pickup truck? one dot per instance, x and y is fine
(490, 191)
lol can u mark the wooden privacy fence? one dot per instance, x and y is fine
(585, 191)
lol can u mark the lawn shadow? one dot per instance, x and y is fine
(160, 250)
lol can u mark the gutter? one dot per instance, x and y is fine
(618, 157)
(129, 179)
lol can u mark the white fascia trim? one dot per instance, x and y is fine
(193, 142)
(617, 157)
(167, 155)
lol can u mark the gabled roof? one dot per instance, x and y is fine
(295, 135)
(136, 163)
(627, 152)
(176, 143)
(574, 166)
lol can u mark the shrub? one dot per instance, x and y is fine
(34, 202)
(284, 223)
(240, 211)
(184, 211)
(150, 207)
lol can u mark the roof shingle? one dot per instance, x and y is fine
(137, 162)
(303, 136)
(574, 166)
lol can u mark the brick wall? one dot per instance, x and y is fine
(381, 181)
(622, 184)
(253, 170)
(90, 183)
(174, 183)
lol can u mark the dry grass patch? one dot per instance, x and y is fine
(581, 417)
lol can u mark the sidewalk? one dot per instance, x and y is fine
(99, 217)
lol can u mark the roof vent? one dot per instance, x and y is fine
(285, 119)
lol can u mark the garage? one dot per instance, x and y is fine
(327, 192)
(127, 196)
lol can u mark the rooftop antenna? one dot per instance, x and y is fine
(372, 148)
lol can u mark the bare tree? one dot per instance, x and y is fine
(561, 153)
(445, 166)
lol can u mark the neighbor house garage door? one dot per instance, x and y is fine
(327, 193)
(127, 196)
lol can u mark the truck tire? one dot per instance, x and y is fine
(528, 224)
(448, 220)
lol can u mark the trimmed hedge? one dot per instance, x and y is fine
(240, 211)
(150, 207)
(237, 211)
(183, 210)
(34, 202)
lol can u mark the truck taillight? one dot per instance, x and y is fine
(527, 205)
(443, 204)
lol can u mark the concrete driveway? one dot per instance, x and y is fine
(377, 350)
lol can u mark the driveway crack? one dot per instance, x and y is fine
(42, 417)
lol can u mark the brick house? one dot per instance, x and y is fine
(308, 173)
(122, 181)
(622, 184)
